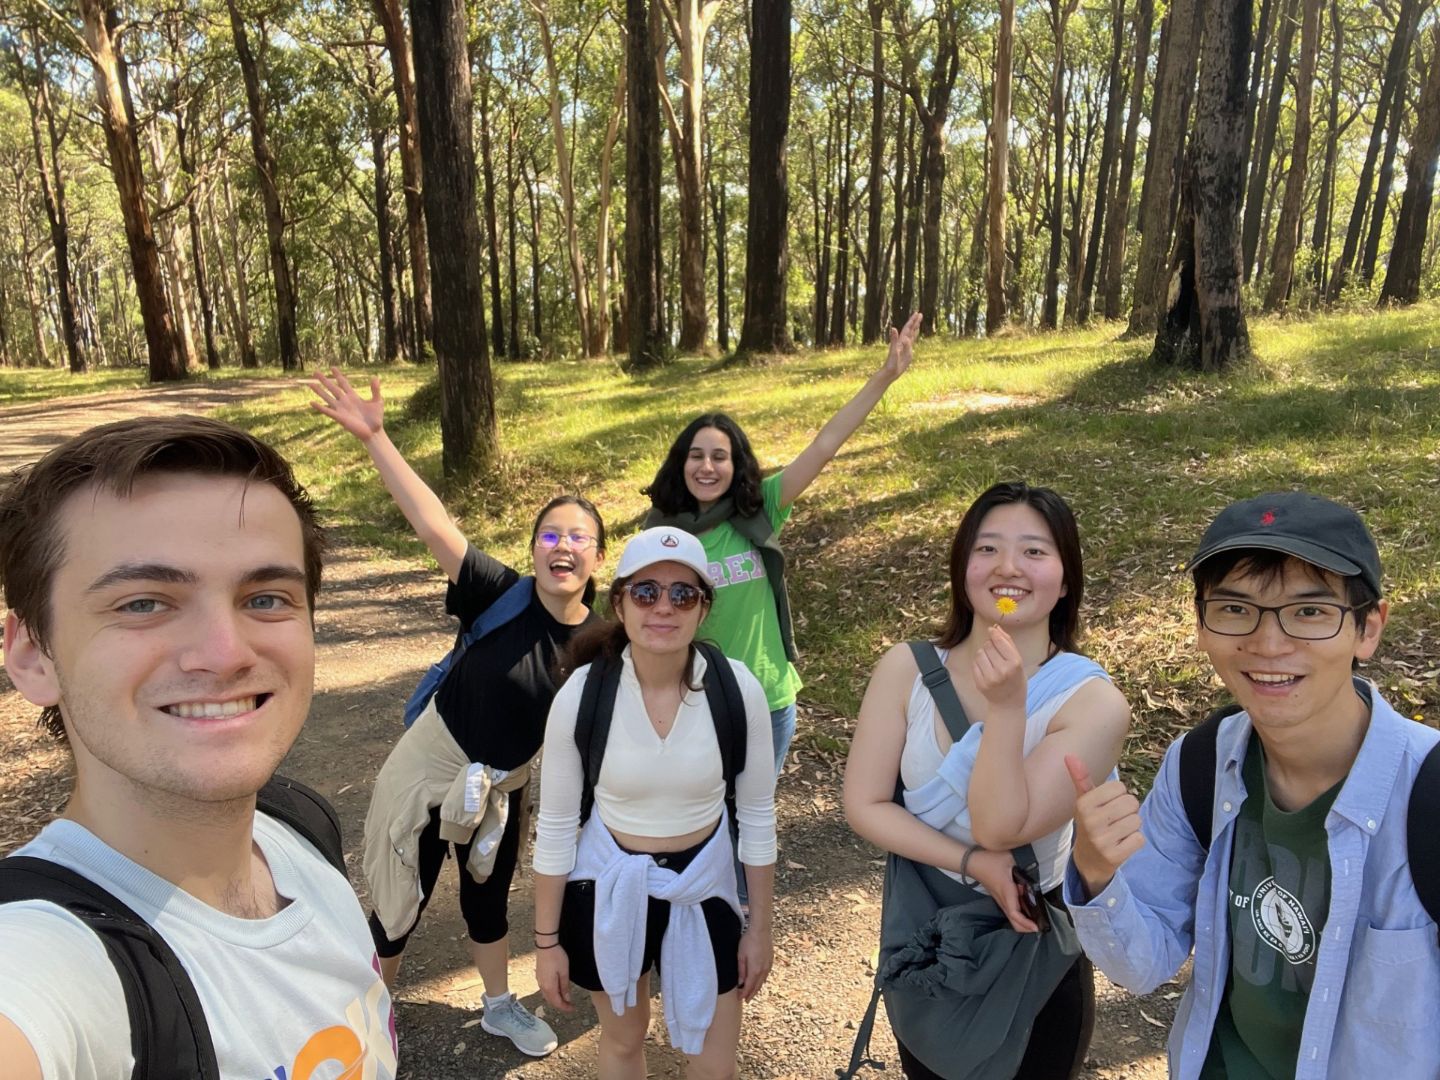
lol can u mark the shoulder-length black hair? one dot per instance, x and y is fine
(587, 508)
(668, 492)
(608, 637)
(1065, 616)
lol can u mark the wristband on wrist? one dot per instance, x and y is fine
(552, 945)
(547, 933)
(965, 878)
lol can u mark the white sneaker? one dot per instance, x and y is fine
(506, 1016)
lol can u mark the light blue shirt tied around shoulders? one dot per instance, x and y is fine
(945, 799)
(1375, 1003)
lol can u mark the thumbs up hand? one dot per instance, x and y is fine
(1107, 826)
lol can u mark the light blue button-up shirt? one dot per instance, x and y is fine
(1374, 1007)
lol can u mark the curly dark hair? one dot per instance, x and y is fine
(668, 492)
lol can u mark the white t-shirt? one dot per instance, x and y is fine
(297, 995)
(649, 786)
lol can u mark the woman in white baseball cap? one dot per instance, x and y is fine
(648, 731)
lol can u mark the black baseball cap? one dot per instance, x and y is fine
(1314, 530)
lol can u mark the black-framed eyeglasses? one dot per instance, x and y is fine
(683, 596)
(1307, 620)
(549, 538)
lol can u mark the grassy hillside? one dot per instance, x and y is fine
(1347, 406)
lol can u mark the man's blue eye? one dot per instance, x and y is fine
(268, 602)
(143, 606)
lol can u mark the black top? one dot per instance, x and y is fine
(496, 699)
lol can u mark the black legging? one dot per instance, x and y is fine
(482, 903)
(1058, 1040)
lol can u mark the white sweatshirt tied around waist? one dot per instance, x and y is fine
(623, 883)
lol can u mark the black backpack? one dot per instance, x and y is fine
(1197, 794)
(169, 1036)
(597, 708)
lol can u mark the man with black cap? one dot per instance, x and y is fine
(1281, 859)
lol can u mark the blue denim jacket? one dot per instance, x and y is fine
(1374, 1006)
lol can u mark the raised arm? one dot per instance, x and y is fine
(801, 472)
(422, 507)
(870, 775)
(1017, 798)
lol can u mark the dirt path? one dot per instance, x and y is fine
(380, 622)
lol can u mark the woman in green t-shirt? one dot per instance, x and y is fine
(709, 484)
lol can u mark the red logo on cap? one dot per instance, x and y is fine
(1267, 518)
(669, 541)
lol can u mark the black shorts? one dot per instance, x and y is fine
(577, 930)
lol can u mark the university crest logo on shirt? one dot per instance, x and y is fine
(1281, 922)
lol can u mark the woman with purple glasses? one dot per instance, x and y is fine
(649, 876)
(459, 774)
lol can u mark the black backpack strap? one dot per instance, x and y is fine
(1197, 773)
(942, 690)
(307, 812)
(860, 1053)
(592, 724)
(1420, 842)
(169, 1036)
(727, 711)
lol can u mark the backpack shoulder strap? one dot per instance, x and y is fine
(1420, 842)
(727, 711)
(592, 724)
(507, 606)
(1197, 773)
(169, 1036)
(308, 813)
(942, 690)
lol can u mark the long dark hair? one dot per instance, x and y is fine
(668, 492)
(608, 638)
(588, 508)
(1065, 616)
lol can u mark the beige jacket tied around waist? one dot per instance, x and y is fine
(426, 769)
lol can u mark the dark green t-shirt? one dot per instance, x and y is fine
(1279, 897)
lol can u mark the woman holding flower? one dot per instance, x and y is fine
(971, 805)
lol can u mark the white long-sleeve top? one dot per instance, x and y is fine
(650, 786)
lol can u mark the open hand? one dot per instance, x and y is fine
(756, 957)
(1107, 826)
(1000, 673)
(342, 403)
(552, 972)
(902, 347)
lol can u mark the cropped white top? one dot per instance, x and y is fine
(650, 786)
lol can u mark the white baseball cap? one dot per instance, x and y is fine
(663, 544)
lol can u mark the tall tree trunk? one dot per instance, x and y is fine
(28, 273)
(1371, 250)
(116, 114)
(600, 319)
(52, 191)
(1259, 71)
(1060, 11)
(642, 192)
(389, 334)
(1167, 135)
(874, 207)
(172, 250)
(1265, 138)
(933, 113)
(1117, 219)
(1402, 276)
(397, 44)
(512, 349)
(1395, 70)
(996, 312)
(914, 200)
(1219, 180)
(1320, 237)
(766, 326)
(246, 326)
(842, 232)
(823, 221)
(722, 258)
(579, 280)
(1109, 151)
(532, 198)
(1287, 239)
(184, 144)
(492, 231)
(444, 105)
(285, 317)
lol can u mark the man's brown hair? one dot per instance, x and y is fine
(113, 457)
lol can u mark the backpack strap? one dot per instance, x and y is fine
(727, 712)
(169, 1036)
(952, 711)
(1197, 773)
(860, 1053)
(1420, 844)
(592, 724)
(307, 812)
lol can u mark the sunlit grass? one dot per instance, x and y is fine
(1348, 406)
(22, 386)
